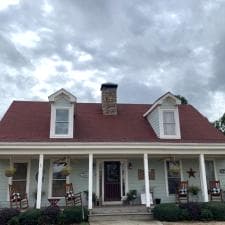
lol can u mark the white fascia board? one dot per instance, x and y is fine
(110, 148)
(62, 91)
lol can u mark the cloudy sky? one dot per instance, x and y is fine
(147, 47)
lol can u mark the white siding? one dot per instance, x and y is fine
(153, 119)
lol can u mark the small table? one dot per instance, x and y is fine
(53, 201)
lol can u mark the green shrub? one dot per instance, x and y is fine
(184, 215)
(167, 212)
(217, 209)
(49, 215)
(73, 215)
(206, 215)
(6, 214)
(14, 221)
(30, 217)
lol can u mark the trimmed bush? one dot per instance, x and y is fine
(206, 215)
(49, 215)
(167, 212)
(217, 209)
(73, 215)
(193, 209)
(6, 214)
(30, 217)
(14, 221)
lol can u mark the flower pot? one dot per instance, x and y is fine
(157, 201)
(9, 172)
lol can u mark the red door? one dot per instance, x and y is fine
(112, 186)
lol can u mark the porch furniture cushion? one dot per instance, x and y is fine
(215, 190)
(183, 191)
(69, 195)
(16, 196)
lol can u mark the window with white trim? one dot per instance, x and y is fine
(62, 121)
(58, 178)
(169, 124)
(173, 176)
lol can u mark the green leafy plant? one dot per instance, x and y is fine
(66, 171)
(131, 195)
(9, 172)
(194, 190)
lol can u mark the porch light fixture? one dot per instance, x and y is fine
(130, 166)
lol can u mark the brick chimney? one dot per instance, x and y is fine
(109, 99)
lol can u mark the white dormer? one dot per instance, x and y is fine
(164, 117)
(62, 114)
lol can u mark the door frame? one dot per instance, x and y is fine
(102, 161)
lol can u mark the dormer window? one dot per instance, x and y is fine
(62, 114)
(62, 121)
(163, 116)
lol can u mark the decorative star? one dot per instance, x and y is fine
(191, 173)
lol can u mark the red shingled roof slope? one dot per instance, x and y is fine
(30, 121)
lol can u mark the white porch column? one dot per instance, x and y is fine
(147, 189)
(90, 181)
(203, 178)
(39, 185)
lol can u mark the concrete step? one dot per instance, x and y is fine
(120, 217)
(117, 213)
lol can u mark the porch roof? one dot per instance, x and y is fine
(30, 122)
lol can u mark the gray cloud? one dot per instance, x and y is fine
(150, 47)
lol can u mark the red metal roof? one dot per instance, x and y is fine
(30, 121)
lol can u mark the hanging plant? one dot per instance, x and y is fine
(66, 171)
(174, 168)
(9, 172)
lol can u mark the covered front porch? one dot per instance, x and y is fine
(106, 174)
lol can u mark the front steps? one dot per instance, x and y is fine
(117, 213)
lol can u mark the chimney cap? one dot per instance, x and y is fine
(108, 85)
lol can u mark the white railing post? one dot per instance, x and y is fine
(90, 181)
(203, 178)
(40, 176)
(147, 187)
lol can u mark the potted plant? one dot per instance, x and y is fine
(131, 196)
(9, 172)
(66, 171)
(194, 190)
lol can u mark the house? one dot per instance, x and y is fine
(111, 148)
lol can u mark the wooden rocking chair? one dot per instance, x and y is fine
(215, 190)
(16, 199)
(182, 192)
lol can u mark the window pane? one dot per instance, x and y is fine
(61, 128)
(62, 115)
(57, 168)
(20, 187)
(168, 117)
(21, 171)
(58, 188)
(169, 129)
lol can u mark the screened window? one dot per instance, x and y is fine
(19, 179)
(173, 175)
(62, 121)
(58, 179)
(169, 123)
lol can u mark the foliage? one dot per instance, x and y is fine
(30, 217)
(193, 190)
(193, 209)
(6, 214)
(206, 215)
(183, 99)
(167, 212)
(220, 123)
(190, 211)
(9, 172)
(49, 215)
(66, 171)
(131, 195)
(73, 215)
(217, 209)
